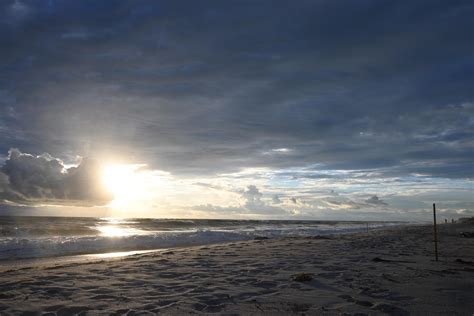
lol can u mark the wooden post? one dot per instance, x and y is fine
(435, 232)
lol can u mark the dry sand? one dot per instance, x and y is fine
(390, 271)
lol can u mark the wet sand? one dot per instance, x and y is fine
(381, 272)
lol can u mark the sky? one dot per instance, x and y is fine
(323, 109)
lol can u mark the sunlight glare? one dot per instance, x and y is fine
(113, 231)
(126, 183)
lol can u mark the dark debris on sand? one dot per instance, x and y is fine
(302, 277)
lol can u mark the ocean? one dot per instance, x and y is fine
(26, 237)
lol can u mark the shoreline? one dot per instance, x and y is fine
(118, 253)
(385, 271)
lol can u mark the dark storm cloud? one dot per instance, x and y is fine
(201, 87)
(34, 179)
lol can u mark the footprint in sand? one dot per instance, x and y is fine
(330, 275)
(71, 310)
(351, 299)
(390, 309)
(265, 284)
(333, 268)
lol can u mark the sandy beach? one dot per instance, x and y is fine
(381, 272)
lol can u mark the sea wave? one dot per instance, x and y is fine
(22, 248)
(22, 238)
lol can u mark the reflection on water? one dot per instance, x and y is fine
(116, 228)
(114, 231)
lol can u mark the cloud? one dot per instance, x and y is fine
(253, 204)
(342, 205)
(25, 178)
(390, 103)
(209, 185)
(252, 197)
(75, 35)
(205, 90)
(374, 200)
(17, 12)
(338, 202)
(276, 199)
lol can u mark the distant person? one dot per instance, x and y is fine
(452, 220)
(445, 221)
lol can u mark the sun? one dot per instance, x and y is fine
(119, 178)
(125, 182)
